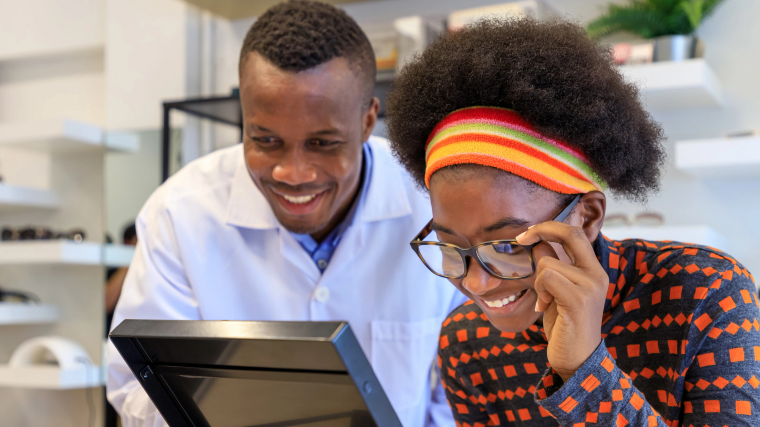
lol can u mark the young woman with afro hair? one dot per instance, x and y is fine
(517, 128)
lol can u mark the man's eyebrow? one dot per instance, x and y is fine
(331, 131)
(438, 227)
(508, 221)
(260, 128)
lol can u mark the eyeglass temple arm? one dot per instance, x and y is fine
(424, 232)
(562, 215)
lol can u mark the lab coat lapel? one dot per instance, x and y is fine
(248, 208)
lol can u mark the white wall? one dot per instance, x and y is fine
(38, 27)
(145, 60)
(130, 178)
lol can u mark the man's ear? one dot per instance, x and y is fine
(593, 207)
(370, 118)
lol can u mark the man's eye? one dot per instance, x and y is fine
(266, 141)
(323, 143)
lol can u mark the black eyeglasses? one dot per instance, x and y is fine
(505, 259)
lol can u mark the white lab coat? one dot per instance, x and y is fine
(210, 248)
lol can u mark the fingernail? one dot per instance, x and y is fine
(531, 226)
(536, 309)
(519, 236)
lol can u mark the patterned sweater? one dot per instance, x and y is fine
(681, 347)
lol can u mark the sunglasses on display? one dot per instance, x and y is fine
(40, 233)
(505, 259)
(8, 295)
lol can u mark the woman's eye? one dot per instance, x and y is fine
(506, 248)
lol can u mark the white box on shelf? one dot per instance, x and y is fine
(720, 157)
(65, 135)
(676, 85)
(698, 234)
(118, 255)
(50, 252)
(50, 377)
(14, 313)
(13, 198)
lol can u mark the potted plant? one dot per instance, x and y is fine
(670, 23)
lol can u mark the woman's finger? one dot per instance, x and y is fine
(551, 285)
(573, 240)
(576, 276)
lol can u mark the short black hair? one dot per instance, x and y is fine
(552, 74)
(130, 232)
(299, 35)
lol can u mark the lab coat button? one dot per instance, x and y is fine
(322, 294)
(322, 264)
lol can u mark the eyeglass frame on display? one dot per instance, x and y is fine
(633, 219)
(40, 233)
(466, 254)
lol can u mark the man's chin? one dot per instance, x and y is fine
(302, 227)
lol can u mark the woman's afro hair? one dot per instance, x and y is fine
(552, 74)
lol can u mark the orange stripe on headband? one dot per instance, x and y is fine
(502, 139)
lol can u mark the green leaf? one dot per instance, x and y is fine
(652, 18)
(693, 10)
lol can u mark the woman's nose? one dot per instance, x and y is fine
(478, 281)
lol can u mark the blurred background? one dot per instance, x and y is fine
(102, 100)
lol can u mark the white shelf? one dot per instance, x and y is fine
(13, 313)
(51, 377)
(118, 255)
(719, 158)
(65, 135)
(64, 252)
(698, 234)
(50, 252)
(16, 198)
(676, 85)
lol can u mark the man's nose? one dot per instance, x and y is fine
(294, 169)
(478, 281)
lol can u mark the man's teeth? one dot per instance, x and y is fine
(504, 301)
(299, 200)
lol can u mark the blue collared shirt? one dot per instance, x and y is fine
(322, 252)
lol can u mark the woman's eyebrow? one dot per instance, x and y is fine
(507, 221)
(438, 227)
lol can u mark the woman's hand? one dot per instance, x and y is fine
(571, 296)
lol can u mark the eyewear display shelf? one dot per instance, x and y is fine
(65, 252)
(676, 85)
(65, 135)
(51, 377)
(720, 157)
(15, 313)
(14, 198)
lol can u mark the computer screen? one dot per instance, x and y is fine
(240, 374)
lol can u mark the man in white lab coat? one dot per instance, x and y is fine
(303, 221)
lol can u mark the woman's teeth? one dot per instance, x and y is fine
(299, 200)
(504, 301)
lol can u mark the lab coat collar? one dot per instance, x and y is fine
(386, 197)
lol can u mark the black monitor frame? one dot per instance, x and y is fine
(155, 348)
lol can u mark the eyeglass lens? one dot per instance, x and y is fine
(442, 260)
(506, 259)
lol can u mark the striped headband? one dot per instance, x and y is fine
(502, 139)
